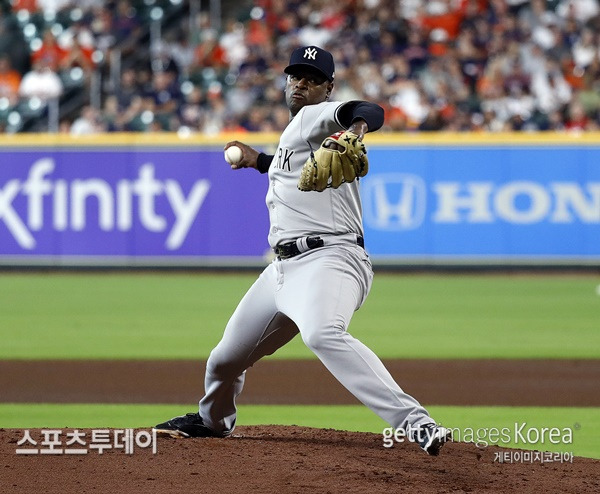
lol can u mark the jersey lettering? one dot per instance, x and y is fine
(283, 159)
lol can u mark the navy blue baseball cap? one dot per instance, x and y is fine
(312, 56)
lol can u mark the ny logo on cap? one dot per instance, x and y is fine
(310, 53)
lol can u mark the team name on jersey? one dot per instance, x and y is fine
(283, 159)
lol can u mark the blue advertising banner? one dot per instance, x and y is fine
(517, 202)
(129, 203)
(433, 202)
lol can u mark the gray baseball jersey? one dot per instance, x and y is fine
(293, 213)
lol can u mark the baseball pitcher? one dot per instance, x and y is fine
(321, 273)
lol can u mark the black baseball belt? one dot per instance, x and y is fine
(304, 244)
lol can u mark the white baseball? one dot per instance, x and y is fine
(233, 154)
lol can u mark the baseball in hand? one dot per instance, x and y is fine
(233, 154)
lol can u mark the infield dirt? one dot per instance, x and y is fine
(304, 382)
(291, 459)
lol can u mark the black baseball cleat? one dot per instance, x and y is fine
(188, 425)
(432, 437)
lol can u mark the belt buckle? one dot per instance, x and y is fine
(285, 251)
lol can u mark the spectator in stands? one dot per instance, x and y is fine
(100, 24)
(232, 42)
(125, 26)
(216, 113)
(125, 22)
(163, 58)
(88, 5)
(208, 54)
(443, 16)
(586, 48)
(143, 79)
(52, 7)
(550, 89)
(78, 56)
(129, 118)
(256, 118)
(580, 10)
(41, 82)
(181, 51)
(166, 97)
(577, 120)
(589, 95)
(89, 122)
(415, 51)
(127, 89)
(30, 6)
(479, 65)
(242, 96)
(50, 51)
(10, 80)
(490, 122)
(111, 117)
(192, 112)
(13, 44)
(78, 32)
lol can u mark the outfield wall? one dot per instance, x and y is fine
(436, 199)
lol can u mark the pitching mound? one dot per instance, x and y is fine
(285, 460)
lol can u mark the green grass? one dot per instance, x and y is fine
(584, 422)
(149, 315)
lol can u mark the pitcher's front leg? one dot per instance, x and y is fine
(255, 329)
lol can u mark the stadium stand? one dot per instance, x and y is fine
(214, 66)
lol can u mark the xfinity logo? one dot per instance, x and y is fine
(68, 203)
(400, 201)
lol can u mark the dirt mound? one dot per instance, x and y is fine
(266, 459)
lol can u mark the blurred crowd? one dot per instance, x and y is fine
(459, 65)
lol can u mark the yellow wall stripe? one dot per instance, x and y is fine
(264, 139)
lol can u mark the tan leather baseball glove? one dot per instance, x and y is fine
(328, 167)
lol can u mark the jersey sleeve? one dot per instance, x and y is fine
(351, 111)
(263, 162)
(327, 118)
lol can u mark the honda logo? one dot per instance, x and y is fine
(394, 201)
